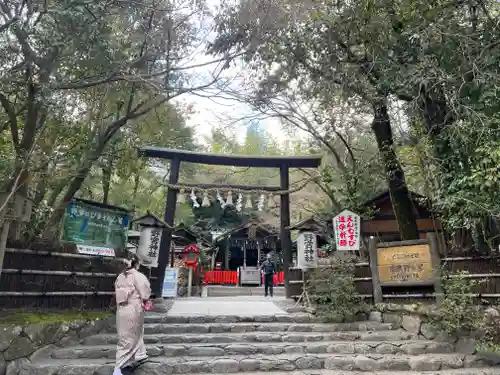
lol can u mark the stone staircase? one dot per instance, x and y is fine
(275, 345)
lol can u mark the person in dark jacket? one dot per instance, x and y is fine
(268, 270)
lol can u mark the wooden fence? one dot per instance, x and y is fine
(45, 279)
(223, 277)
(485, 269)
(61, 280)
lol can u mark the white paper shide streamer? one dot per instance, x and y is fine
(229, 198)
(248, 203)
(221, 200)
(260, 204)
(239, 202)
(194, 199)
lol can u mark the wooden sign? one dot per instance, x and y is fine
(347, 229)
(405, 265)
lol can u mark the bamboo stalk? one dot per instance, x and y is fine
(459, 259)
(62, 255)
(48, 294)
(59, 273)
(62, 273)
(423, 295)
(356, 279)
(477, 276)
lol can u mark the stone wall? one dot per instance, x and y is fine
(416, 319)
(21, 344)
(196, 289)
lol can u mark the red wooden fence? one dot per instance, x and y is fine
(231, 278)
(221, 277)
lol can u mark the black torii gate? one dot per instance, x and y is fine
(284, 163)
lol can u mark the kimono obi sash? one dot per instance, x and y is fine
(125, 288)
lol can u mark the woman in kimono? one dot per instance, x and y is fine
(132, 290)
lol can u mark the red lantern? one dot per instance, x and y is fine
(191, 255)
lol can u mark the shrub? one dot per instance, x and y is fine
(334, 290)
(457, 312)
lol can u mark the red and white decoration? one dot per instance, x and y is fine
(347, 230)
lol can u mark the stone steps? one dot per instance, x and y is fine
(284, 362)
(269, 337)
(291, 344)
(416, 347)
(341, 372)
(193, 319)
(263, 327)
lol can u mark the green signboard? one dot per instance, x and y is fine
(95, 229)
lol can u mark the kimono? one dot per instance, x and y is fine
(131, 289)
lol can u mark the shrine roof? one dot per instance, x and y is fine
(262, 227)
(385, 196)
(308, 222)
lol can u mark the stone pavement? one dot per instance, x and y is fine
(234, 291)
(219, 306)
(255, 336)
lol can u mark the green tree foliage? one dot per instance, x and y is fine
(320, 54)
(76, 76)
(439, 58)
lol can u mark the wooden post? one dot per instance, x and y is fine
(286, 240)
(166, 237)
(172, 254)
(3, 241)
(244, 257)
(190, 282)
(226, 255)
(258, 263)
(436, 265)
(377, 289)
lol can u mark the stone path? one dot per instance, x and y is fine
(253, 335)
(235, 291)
(219, 306)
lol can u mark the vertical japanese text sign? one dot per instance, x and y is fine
(307, 250)
(347, 230)
(149, 245)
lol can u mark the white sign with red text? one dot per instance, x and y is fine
(347, 226)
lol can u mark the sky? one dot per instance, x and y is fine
(215, 111)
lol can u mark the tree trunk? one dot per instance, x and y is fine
(400, 197)
(436, 116)
(106, 181)
(73, 187)
(82, 173)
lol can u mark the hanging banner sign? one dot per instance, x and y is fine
(94, 228)
(347, 230)
(307, 246)
(94, 250)
(149, 246)
(170, 282)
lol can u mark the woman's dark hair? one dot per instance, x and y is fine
(134, 261)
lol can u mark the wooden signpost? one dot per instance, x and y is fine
(405, 263)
